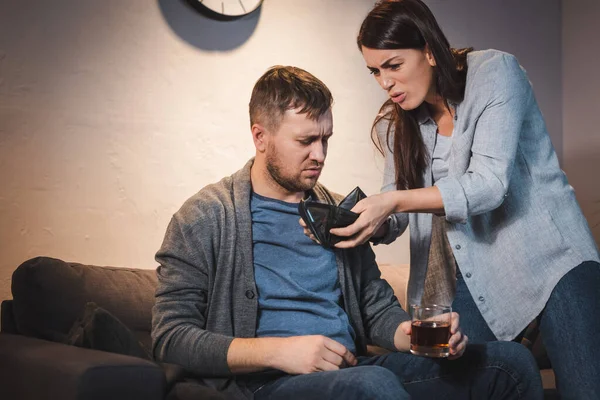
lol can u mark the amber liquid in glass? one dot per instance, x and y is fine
(430, 338)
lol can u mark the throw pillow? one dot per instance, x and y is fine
(100, 330)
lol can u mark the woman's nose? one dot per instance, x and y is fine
(387, 83)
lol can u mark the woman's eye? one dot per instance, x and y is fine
(394, 67)
(374, 72)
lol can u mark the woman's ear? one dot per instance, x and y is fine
(259, 134)
(429, 56)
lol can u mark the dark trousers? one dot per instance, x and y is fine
(498, 370)
(568, 325)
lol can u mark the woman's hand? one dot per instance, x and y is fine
(373, 211)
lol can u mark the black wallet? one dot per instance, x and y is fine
(321, 217)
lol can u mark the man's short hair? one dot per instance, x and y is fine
(284, 88)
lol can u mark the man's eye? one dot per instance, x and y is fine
(306, 142)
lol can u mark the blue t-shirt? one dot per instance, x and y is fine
(297, 280)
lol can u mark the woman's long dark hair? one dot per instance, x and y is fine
(409, 24)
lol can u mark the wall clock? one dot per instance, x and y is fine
(225, 9)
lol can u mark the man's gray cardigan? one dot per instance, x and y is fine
(207, 295)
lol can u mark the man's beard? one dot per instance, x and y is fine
(292, 185)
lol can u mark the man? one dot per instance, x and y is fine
(258, 310)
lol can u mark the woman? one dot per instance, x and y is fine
(469, 164)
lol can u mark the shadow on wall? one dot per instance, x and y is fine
(206, 33)
(582, 174)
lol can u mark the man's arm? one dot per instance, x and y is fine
(294, 355)
(179, 313)
(381, 310)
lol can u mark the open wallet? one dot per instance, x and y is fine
(321, 217)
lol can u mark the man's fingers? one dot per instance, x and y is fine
(340, 350)
(333, 358)
(459, 350)
(325, 365)
(455, 340)
(350, 359)
(455, 323)
(334, 346)
(406, 327)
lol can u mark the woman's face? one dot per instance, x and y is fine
(405, 74)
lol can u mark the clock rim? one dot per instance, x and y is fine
(199, 6)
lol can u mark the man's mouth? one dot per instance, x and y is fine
(313, 171)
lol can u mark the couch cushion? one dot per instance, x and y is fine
(50, 294)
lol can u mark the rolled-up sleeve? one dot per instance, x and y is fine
(507, 94)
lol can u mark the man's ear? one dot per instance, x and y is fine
(429, 56)
(259, 135)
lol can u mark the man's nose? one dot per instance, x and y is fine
(318, 152)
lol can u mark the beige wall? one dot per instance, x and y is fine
(581, 105)
(113, 112)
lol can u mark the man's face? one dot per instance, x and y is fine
(295, 153)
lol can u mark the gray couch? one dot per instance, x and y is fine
(49, 296)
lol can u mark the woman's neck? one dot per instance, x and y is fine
(442, 115)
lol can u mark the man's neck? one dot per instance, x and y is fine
(264, 185)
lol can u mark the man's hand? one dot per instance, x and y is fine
(307, 231)
(458, 341)
(294, 355)
(306, 354)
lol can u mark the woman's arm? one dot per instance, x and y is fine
(507, 94)
(374, 210)
(508, 97)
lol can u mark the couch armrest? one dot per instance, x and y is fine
(39, 369)
(7, 318)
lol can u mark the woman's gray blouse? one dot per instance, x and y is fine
(515, 226)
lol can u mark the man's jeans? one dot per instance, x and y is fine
(497, 370)
(568, 325)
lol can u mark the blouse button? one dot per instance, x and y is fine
(468, 274)
(481, 298)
